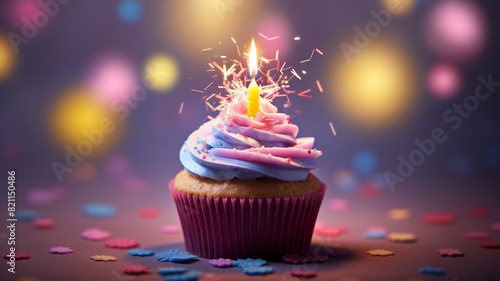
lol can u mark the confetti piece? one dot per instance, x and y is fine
(375, 235)
(337, 204)
(17, 256)
(170, 229)
(439, 218)
(94, 234)
(149, 213)
(221, 262)
(121, 243)
(401, 237)
(43, 223)
(479, 212)
(380, 253)
(99, 210)
(140, 252)
(319, 86)
(171, 270)
(26, 215)
(321, 230)
(450, 252)
(103, 258)
(478, 235)
(249, 262)
(257, 270)
(490, 245)
(186, 276)
(431, 270)
(174, 255)
(135, 269)
(303, 273)
(400, 214)
(60, 250)
(495, 226)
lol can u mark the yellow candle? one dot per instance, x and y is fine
(253, 88)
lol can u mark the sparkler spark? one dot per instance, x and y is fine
(333, 129)
(182, 106)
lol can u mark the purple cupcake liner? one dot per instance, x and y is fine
(241, 228)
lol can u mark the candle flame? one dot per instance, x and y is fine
(252, 65)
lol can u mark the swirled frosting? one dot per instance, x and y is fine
(233, 145)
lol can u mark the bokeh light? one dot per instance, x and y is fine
(398, 7)
(7, 57)
(461, 163)
(19, 11)
(364, 162)
(77, 110)
(444, 81)
(345, 180)
(455, 29)
(376, 89)
(491, 157)
(112, 77)
(130, 11)
(161, 72)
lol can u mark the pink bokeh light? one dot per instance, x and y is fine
(456, 29)
(444, 81)
(112, 77)
(17, 12)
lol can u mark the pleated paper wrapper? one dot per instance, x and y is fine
(247, 228)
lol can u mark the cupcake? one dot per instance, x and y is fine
(246, 189)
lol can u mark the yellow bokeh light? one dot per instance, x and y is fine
(161, 72)
(78, 117)
(7, 57)
(377, 88)
(398, 7)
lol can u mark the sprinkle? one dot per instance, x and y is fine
(399, 214)
(333, 129)
(171, 270)
(189, 275)
(249, 262)
(258, 270)
(103, 258)
(439, 218)
(204, 157)
(99, 210)
(149, 213)
(43, 223)
(213, 158)
(135, 269)
(180, 109)
(287, 159)
(401, 237)
(319, 86)
(140, 252)
(60, 250)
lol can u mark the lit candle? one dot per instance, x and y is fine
(253, 88)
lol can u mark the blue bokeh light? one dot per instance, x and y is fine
(130, 11)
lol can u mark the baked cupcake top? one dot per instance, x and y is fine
(233, 145)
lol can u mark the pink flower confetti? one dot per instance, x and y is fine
(450, 252)
(321, 230)
(170, 229)
(94, 234)
(477, 235)
(60, 250)
(121, 243)
(221, 262)
(135, 269)
(439, 218)
(149, 213)
(303, 273)
(337, 204)
(43, 223)
(17, 256)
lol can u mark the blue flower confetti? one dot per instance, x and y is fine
(140, 252)
(175, 255)
(257, 270)
(375, 235)
(186, 276)
(171, 270)
(99, 210)
(431, 270)
(249, 262)
(26, 215)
